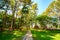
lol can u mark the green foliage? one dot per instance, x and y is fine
(25, 17)
(51, 8)
(43, 20)
(12, 3)
(49, 16)
(25, 9)
(1, 19)
(26, 1)
(1, 4)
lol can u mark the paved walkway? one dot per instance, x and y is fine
(28, 36)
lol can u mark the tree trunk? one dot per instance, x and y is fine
(12, 21)
(19, 24)
(4, 20)
(13, 14)
(1, 30)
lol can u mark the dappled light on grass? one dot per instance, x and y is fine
(46, 35)
(56, 37)
(14, 39)
(17, 33)
(42, 35)
(14, 35)
(34, 35)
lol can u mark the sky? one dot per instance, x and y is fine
(42, 5)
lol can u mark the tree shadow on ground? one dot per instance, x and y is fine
(14, 35)
(44, 35)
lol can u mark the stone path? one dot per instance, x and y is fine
(28, 36)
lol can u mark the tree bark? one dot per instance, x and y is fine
(4, 20)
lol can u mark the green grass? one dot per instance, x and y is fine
(14, 35)
(46, 34)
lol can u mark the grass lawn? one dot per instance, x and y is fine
(14, 35)
(46, 34)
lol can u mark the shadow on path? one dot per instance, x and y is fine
(28, 36)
